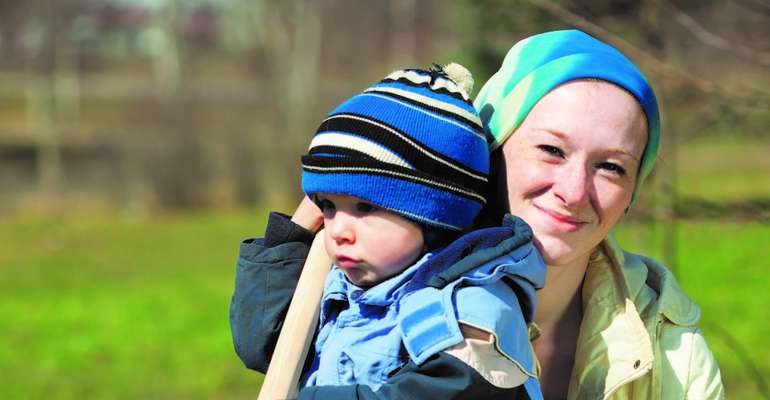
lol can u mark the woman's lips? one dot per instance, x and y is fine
(346, 262)
(565, 222)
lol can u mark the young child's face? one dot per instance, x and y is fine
(369, 244)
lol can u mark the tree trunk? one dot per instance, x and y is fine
(665, 179)
(402, 43)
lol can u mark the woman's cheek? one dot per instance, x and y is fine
(613, 200)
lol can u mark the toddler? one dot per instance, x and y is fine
(413, 306)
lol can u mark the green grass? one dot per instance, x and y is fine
(108, 307)
(99, 307)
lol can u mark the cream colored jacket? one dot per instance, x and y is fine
(638, 338)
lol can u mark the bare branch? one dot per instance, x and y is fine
(760, 6)
(713, 40)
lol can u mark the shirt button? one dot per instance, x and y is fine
(637, 363)
(355, 294)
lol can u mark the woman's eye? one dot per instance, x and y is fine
(365, 207)
(614, 168)
(551, 150)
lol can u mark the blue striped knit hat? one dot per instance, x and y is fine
(412, 144)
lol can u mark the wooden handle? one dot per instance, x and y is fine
(298, 328)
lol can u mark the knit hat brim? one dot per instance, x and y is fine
(416, 201)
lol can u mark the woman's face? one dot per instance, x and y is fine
(571, 166)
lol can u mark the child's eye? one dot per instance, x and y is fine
(613, 168)
(365, 207)
(551, 150)
(324, 204)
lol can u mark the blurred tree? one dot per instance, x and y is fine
(190, 93)
(488, 28)
(53, 92)
(664, 179)
(12, 17)
(402, 41)
(167, 57)
(287, 37)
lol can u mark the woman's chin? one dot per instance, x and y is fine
(555, 252)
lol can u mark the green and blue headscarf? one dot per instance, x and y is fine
(540, 63)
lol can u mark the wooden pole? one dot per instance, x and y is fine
(298, 327)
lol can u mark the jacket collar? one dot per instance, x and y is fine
(382, 294)
(642, 273)
(615, 345)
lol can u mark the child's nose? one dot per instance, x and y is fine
(341, 228)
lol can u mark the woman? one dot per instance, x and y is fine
(576, 130)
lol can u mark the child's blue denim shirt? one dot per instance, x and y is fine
(366, 335)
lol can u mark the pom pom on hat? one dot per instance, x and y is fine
(461, 76)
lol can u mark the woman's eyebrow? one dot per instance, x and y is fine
(558, 134)
(564, 137)
(623, 151)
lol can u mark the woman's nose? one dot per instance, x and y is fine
(341, 228)
(572, 185)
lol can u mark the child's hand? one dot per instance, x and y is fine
(308, 215)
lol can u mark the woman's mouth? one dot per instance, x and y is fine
(563, 221)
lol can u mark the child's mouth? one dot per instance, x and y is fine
(346, 262)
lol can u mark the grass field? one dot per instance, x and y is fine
(98, 306)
